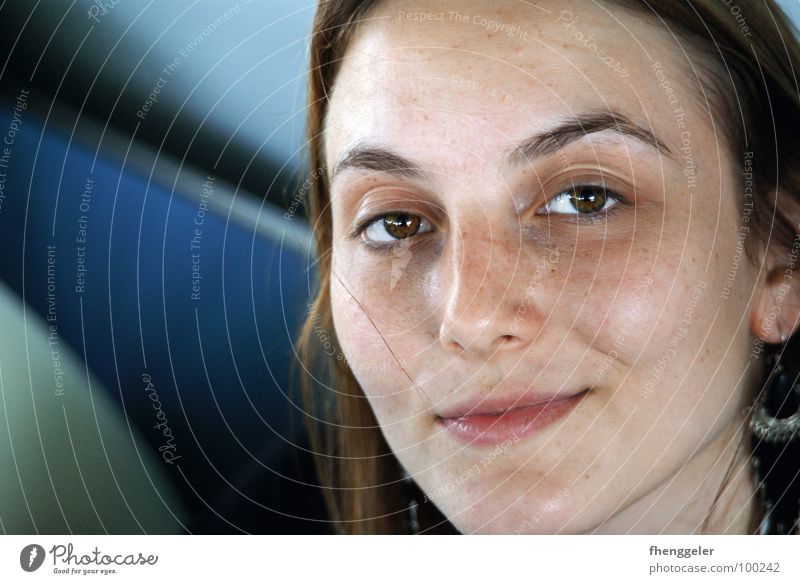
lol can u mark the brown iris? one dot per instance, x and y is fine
(588, 199)
(401, 225)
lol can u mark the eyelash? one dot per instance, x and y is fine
(364, 224)
(600, 216)
(578, 218)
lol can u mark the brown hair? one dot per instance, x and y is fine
(745, 68)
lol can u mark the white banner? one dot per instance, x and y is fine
(228, 559)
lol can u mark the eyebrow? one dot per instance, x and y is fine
(551, 141)
(376, 158)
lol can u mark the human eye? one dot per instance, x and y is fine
(583, 201)
(389, 228)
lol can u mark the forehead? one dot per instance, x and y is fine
(466, 79)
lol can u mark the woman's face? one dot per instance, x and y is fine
(538, 277)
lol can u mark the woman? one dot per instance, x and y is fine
(556, 245)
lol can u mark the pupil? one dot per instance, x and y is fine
(401, 225)
(589, 199)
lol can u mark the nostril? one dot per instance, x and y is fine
(456, 347)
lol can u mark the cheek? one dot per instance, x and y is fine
(357, 335)
(374, 351)
(667, 343)
(612, 293)
(630, 297)
(379, 361)
(384, 309)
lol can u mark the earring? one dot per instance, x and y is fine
(775, 426)
(780, 395)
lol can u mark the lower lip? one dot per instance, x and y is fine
(513, 424)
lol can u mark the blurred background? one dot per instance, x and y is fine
(156, 266)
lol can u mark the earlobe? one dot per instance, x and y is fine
(776, 309)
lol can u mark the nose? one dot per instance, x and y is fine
(488, 308)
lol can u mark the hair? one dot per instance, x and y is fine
(744, 67)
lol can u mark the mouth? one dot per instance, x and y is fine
(493, 423)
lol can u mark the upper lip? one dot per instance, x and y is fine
(497, 405)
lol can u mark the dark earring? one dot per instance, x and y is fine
(776, 417)
(775, 426)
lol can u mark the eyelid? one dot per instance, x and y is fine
(585, 174)
(363, 224)
(409, 204)
(611, 194)
(413, 204)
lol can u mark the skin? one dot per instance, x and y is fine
(492, 296)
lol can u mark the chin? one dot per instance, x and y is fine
(515, 521)
(547, 511)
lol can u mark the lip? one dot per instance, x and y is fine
(493, 422)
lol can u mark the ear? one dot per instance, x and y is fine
(776, 309)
